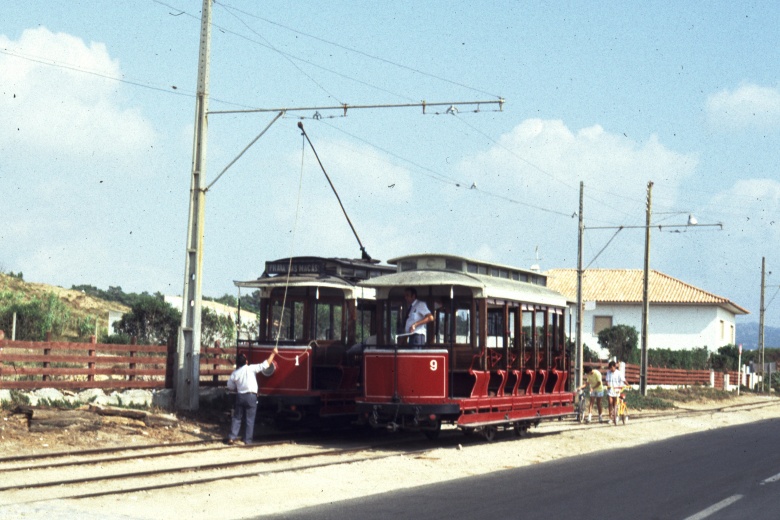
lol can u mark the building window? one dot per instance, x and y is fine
(722, 329)
(601, 322)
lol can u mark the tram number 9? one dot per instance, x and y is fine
(434, 365)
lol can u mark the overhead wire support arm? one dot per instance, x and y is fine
(365, 255)
(345, 107)
(280, 114)
(659, 226)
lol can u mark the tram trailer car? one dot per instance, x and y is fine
(494, 356)
(313, 310)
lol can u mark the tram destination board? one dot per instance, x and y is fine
(297, 267)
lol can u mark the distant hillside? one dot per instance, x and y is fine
(81, 306)
(747, 335)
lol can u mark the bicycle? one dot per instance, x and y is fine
(580, 409)
(622, 407)
(620, 410)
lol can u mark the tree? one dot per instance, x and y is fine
(621, 342)
(726, 359)
(214, 326)
(151, 320)
(251, 302)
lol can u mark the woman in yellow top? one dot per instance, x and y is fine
(593, 380)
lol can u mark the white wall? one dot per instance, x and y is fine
(676, 327)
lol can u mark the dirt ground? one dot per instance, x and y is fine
(302, 488)
(16, 439)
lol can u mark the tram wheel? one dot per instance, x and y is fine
(521, 430)
(433, 434)
(490, 433)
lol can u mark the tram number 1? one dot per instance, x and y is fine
(434, 365)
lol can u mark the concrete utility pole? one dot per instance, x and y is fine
(761, 319)
(187, 370)
(646, 294)
(578, 327)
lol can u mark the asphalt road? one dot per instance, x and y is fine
(726, 473)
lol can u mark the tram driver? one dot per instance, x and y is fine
(417, 316)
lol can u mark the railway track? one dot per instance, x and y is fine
(96, 476)
(125, 470)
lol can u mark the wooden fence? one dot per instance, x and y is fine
(29, 365)
(673, 376)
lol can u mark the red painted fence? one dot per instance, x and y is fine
(56, 364)
(30, 365)
(672, 376)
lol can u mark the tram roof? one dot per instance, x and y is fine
(314, 271)
(485, 280)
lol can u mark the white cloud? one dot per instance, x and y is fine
(542, 161)
(747, 105)
(751, 205)
(56, 102)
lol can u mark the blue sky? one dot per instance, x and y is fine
(98, 108)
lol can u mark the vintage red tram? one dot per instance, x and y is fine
(313, 310)
(494, 357)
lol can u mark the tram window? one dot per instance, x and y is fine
(528, 333)
(287, 322)
(472, 268)
(511, 329)
(541, 333)
(363, 324)
(328, 319)
(396, 322)
(408, 265)
(463, 326)
(442, 325)
(454, 265)
(495, 325)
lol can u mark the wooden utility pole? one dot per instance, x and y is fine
(187, 372)
(646, 294)
(578, 327)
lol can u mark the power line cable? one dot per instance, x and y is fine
(437, 176)
(350, 49)
(319, 85)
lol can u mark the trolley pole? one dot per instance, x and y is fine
(187, 370)
(578, 362)
(646, 294)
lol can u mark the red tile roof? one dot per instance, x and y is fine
(625, 286)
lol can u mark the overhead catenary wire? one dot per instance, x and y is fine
(356, 51)
(440, 177)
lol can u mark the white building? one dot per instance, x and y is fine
(681, 316)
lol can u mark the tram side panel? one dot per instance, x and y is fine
(409, 389)
(417, 376)
(292, 373)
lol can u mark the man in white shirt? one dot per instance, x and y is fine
(243, 381)
(417, 316)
